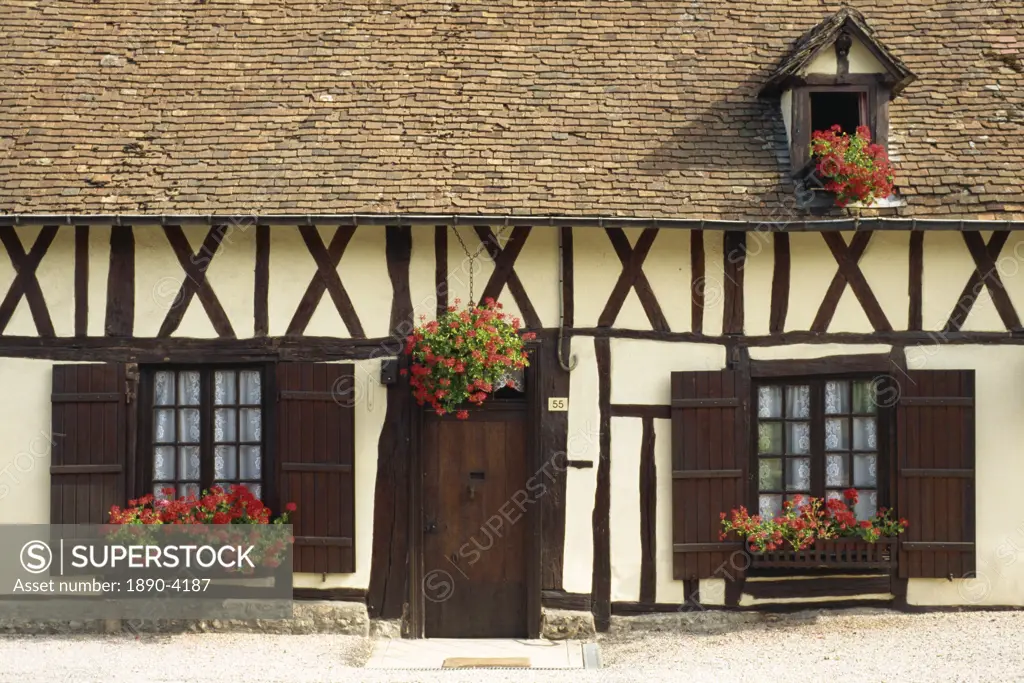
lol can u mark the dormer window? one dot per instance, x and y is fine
(837, 74)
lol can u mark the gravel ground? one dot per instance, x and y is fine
(862, 647)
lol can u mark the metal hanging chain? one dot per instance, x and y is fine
(473, 256)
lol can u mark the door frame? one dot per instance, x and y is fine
(534, 461)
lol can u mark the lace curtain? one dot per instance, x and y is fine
(237, 429)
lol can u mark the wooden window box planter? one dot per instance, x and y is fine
(851, 553)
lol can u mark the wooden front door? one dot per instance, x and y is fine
(475, 514)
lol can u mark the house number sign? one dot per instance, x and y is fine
(558, 404)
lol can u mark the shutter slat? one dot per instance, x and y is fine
(316, 459)
(709, 469)
(935, 473)
(89, 439)
(707, 474)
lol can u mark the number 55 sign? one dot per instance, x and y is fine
(558, 404)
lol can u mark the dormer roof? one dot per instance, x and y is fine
(846, 22)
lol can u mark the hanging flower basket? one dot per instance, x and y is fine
(852, 167)
(463, 356)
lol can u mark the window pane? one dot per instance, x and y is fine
(798, 474)
(188, 388)
(188, 490)
(163, 389)
(865, 434)
(798, 438)
(163, 463)
(865, 470)
(836, 473)
(188, 462)
(188, 425)
(769, 474)
(837, 434)
(251, 424)
(769, 401)
(257, 490)
(769, 505)
(250, 389)
(225, 462)
(163, 428)
(837, 398)
(798, 401)
(864, 400)
(251, 465)
(224, 388)
(769, 437)
(867, 505)
(224, 425)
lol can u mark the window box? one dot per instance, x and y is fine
(851, 553)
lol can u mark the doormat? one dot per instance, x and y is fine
(482, 653)
(486, 663)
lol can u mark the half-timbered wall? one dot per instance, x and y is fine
(643, 303)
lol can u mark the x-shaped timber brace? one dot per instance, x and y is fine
(25, 283)
(849, 273)
(326, 279)
(632, 277)
(504, 273)
(985, 271)
(195, 283)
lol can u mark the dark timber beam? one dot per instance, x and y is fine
(389, 570)
(601, 579)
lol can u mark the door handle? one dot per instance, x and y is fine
(430, 528)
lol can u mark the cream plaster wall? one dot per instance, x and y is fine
(25, 441)
(862, 61)
(583, 443)
(624, 529)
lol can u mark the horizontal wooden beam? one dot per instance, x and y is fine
(638, 410)
(339, 594)
(298, 348)
(554, 599)
(874, 362)
(244, 221)
(823, 586)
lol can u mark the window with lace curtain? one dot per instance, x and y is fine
(206, 429)
(819, 437)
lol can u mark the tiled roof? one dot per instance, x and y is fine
(578, 107)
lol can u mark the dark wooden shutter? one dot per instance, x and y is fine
(935, 476)
(88, 442)
(709, 469)
(315, 455)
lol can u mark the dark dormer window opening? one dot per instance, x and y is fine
(848, 110)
